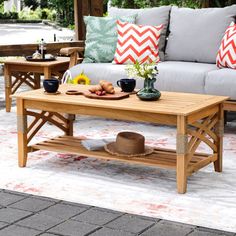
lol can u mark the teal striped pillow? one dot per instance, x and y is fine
(101, 37)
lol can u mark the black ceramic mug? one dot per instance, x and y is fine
(127, 85)
(51, 85)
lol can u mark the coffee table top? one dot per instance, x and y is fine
(171, 103)
(23, 61)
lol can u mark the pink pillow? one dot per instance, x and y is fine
(226, 56)
(137, 43)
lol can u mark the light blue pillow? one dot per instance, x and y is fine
(101, 37)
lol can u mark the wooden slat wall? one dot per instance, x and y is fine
(85, 8)
(28, 49)
(96, 8)
(205, 3)
(77, 7)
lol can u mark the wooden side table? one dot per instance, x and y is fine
(19, 71)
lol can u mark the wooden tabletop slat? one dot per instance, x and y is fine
(170, 103)
(22, 61)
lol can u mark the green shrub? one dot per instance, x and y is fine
(1, 7)
(153, 3)
(33, 4)
(8, 15)
(181, 3)
(44, 14)
(72, 27)
(28, 14)
(49, 14)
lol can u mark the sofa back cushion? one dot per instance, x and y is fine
(196, 34)
(137, 43)
(148, 16)
(101, 37)
(226, 56)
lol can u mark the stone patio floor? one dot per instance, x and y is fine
(29, 215)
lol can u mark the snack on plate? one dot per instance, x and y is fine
(95, 88)
(100, 93)
(102, 88)
(107, 86)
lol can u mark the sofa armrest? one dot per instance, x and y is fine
(73, 52)
(70, 50)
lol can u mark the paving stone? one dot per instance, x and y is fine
(147, 218)
(130, 223)
(210, 233)
(164, 228)
(10, 215)
(75, 204)
(16, 193)
(199, 228)
(47, 199)
(40, 222)
(108, 210)
(13, 230)
(95, 216)
(7, 198)
(32, 204)
(48, 234)
(74, 228)
(2, 224)
(63, 211)
(110, 232)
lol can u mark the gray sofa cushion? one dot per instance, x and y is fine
(195, 34)
(221, 82)
(148, 16)
(102, 71)
(183, 76)
(173, 75)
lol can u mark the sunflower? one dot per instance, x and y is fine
(81, 79)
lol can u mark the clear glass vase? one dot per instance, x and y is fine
(148, 92)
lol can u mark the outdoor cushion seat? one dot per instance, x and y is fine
(173, 75)
(221, 82)
(186, 77)
(102, 71)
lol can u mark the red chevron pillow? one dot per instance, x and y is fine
(226, 56)
(137, 43)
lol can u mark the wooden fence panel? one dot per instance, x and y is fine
(29, 49)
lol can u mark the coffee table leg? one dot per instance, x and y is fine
(70, 118)
(37, 80)
(219, 142)
(181, 150)
(47, 73)
(22, 133)
(8, 84)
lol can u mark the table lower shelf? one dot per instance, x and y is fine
(164, 158)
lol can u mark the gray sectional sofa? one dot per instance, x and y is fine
(188, 49)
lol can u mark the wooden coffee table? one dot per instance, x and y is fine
(19, 71)
(198, 118)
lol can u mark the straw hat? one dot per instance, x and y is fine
(128, 144)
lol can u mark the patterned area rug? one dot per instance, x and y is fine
(210, 200)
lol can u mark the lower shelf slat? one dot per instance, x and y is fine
(67, 144)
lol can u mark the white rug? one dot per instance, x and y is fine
(210, 200)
